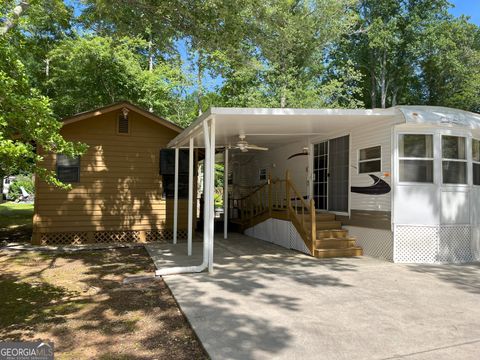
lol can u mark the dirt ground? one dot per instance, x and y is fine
(78, 301)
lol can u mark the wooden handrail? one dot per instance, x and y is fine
(269, 197)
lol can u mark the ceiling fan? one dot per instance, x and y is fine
(244, 146)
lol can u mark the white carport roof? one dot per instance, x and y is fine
(271, 126)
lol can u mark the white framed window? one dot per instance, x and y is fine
(262, 174)
(476, 161)
(415, 155)
(370, 160)
(454, 159)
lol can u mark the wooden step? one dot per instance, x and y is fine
(330, 253)
(329, 225)
(325, 217)
(339, 233)
(321, 217)
(335, 243)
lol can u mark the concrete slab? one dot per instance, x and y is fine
(266, 302)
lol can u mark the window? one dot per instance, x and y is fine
(476, 161)
(167, 170)
(263, 174)
(168, 182)
(370, 160)
(454, 160)
(415, 153)
(68, 169)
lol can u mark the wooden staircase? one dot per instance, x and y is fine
(321, 232)
(332, 240)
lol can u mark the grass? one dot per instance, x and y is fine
(78, 301)
(15, 222)
(13, 215)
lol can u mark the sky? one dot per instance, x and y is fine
(467, 7)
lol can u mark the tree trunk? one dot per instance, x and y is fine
(283, 98)
(47, 68)
(383, 80)
(150, 64)
(199, 83)
(394, 96)
(17, 12)
(373, 82)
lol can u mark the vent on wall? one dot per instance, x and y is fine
(122, 124)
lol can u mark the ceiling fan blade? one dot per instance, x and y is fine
(255, 147)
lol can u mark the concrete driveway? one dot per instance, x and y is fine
(266, 302)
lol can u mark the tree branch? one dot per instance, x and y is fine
(11, 20)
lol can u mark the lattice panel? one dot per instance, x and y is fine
(296, 241)
(416, 244)
(279, 232)
(100, 237)
(165, 235)
(455, 244)
(374, 242)
(62, 238)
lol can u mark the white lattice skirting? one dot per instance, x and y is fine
(278, 232)
(436, 244)
(375, 242)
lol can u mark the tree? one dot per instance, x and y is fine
(386, 47)
(26, 121)
(88, 72)
(451, 65)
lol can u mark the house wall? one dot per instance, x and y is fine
(119, 196)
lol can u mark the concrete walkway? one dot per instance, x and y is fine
(267, 302)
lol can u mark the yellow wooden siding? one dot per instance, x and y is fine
(120, 187)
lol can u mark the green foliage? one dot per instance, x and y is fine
(25, 181)
(218, 200)
(273, 53)
(94, 71)
(26, 120)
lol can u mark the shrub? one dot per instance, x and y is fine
(14, 192)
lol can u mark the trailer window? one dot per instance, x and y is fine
(370, 160)
(454, 160)
(476, 161)
(415, 152)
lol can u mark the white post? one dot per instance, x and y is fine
(206, 194)
(225, 194)
(206, 243)
(211, 191)
(190, 196)
(175, 199)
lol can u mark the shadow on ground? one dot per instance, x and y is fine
(78, 301)
(463, 276)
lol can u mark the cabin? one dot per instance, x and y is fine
(121, 188)
(400, 184)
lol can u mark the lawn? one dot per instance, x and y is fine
(78, 301)
(15, 222)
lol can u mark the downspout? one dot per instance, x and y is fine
(206, 220)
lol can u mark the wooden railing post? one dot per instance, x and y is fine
(313, 220)
(287, 190)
